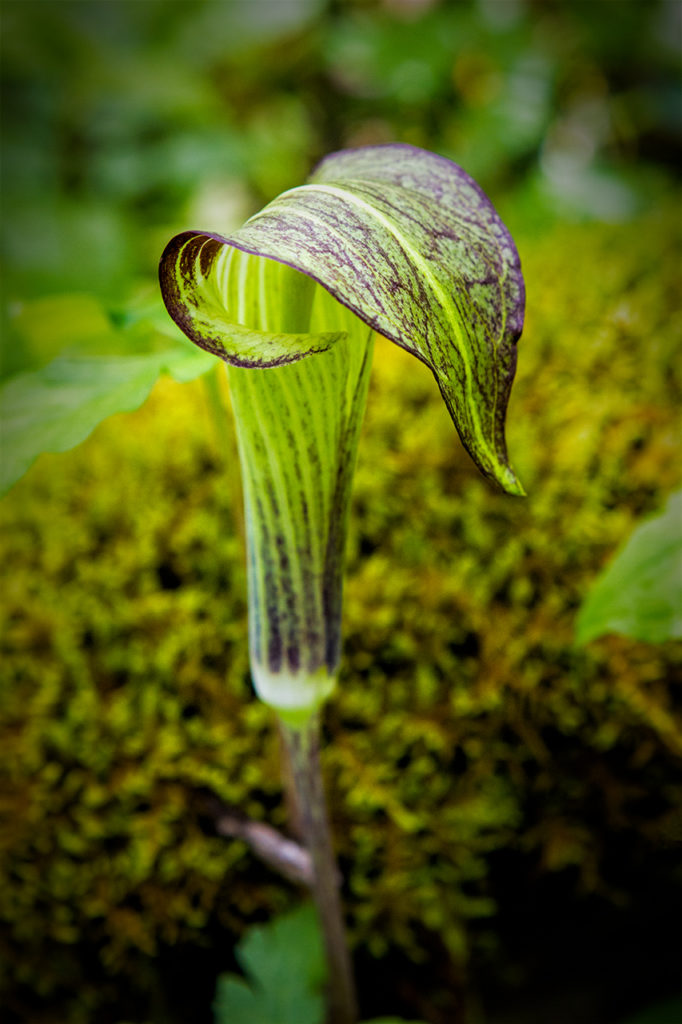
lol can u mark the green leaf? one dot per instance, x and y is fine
(285, 967)
(403, 238)
(46, 328)
(56, 407)
(640, 592)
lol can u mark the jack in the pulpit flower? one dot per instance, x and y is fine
(388, 239)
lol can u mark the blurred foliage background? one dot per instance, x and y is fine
(507, 807)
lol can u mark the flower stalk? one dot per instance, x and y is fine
(302, 744)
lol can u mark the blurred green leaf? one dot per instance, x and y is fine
(55, 408)
(53, 244)
(640, 592)
(385, 58)
(41, 329)
(284, 962)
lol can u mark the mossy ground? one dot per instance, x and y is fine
(466, 723)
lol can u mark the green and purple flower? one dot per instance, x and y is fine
(386, 239)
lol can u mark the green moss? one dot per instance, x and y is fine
(465, 720)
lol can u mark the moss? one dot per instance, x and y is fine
(465, 721)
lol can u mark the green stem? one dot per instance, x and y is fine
(302, 744)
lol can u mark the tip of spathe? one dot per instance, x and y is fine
(510, 483)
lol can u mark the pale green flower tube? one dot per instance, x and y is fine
(298, 427)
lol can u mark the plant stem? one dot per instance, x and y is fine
(303, 745)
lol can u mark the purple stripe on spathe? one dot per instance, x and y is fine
(462, 244)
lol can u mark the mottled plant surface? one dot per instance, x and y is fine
(466, 721)
(392, 239)
(403, 238)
